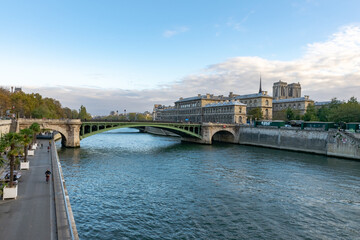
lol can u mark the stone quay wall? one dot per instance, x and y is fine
(5, 126)
(330, 143)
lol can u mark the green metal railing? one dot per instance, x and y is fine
(183, 129)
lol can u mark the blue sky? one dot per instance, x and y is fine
(133, 49)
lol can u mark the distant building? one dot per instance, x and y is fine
(321, 104)
(281, 90)
(288, 96)
(257, 100)
(16, 89)
(203, 108)
(225, 109)
(225, 112)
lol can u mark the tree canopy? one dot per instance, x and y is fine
(255, 113)
(33, 105)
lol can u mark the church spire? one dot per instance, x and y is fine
(260, 91)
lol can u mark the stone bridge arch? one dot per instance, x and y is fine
(227, 135)
(218, 132)
(69, 129)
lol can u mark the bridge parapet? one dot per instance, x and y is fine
(182, 129)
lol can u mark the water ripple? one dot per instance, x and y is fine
(129, 185)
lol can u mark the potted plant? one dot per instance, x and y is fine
(27, 139)
(14, 142)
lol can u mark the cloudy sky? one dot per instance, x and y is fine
(116, 55)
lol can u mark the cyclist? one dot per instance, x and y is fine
(47, 174)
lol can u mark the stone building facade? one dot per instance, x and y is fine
(193, 109)
(299, 105)
(196, 109)
(282, 90)
(225, 112)
(288, 96)
(257, 100)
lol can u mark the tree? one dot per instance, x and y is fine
(290, 115)
(67, 112)
(32, 105)
(83, 114)
(4, 101)
(2, 149)
(35, 127)
(14, 142)
(323, 113)
(255, 113)
(132, 116)
(141, 117)
(345, 112)
(310, 114)
(27, 134)
(74, 114)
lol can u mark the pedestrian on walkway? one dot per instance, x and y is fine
(47, 175)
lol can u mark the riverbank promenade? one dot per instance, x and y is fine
(36, 213)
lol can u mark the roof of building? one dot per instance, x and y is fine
(292, 100)
(168, 109)
(226, 103)
(322, 103)
(251, 96)
(208, 97)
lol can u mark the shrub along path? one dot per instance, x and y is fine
(32, 214)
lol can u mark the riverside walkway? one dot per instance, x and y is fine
(39, 211)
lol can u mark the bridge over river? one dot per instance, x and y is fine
(73, 130)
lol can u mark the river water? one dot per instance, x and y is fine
(129, 185)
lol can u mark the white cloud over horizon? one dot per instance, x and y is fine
(327, 69)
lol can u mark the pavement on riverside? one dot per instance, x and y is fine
(32, 214)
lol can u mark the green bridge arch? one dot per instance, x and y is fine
(183, 129)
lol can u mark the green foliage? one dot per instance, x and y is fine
(74, 114)
(323, 114)
(14, 141)
(335, 111)
(345, 112)
(35, 127)
(2, 149)
(132, 116)
(310, 114)
(27, 134)
(83, 114)
(290, 115)
(255, 113)
(33, 106)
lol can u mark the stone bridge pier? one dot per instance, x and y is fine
(221, 132)
(68, 128)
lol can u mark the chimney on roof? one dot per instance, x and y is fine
(231, 95)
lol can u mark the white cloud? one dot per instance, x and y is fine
(328, 69)
(239, 25)
(173, 32)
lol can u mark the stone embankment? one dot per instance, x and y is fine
(331, 143)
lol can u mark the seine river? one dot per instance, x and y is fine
(129, 185)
